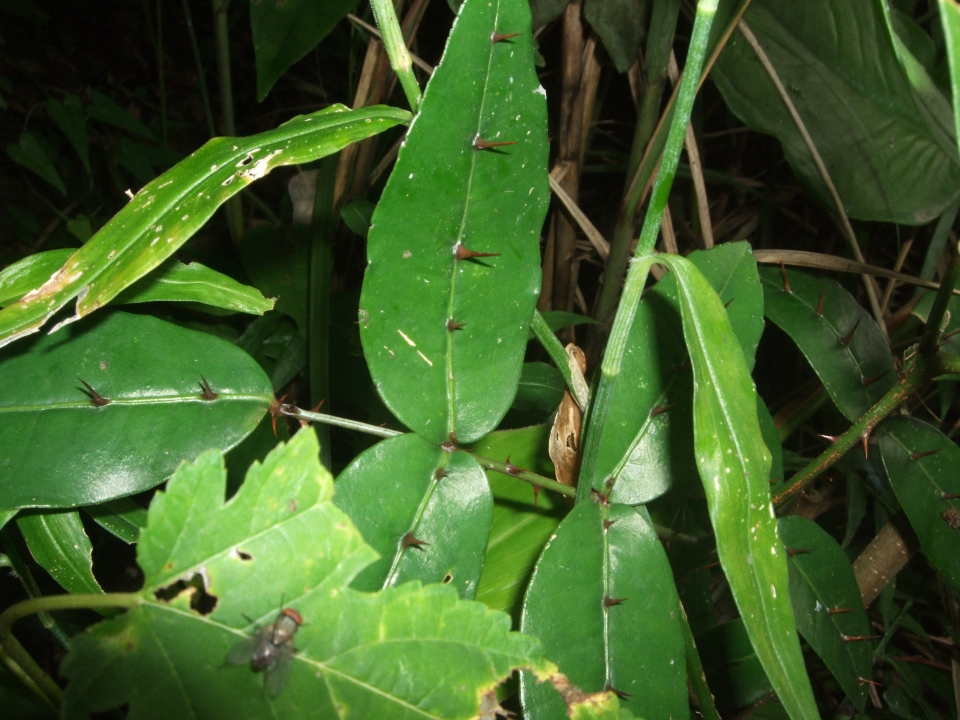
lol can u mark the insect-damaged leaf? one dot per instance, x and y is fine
(734, 466)
(603, 602)
(426, 511)
(405, 651)
(58, 448)
(445, 336)
(166, 212)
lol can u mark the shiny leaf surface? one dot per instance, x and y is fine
(827, 604)
(60, 546)
(840, 340)
(841, 69)
(444, 193)
(922, 464)
(603, 603)
(404, 652)
(171, 282)
(404, 491)
(59, 449)
(166, 212)
(734, 466)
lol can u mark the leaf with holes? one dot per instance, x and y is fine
(844, 346)
(922, 464)
(734, 466)
(210, 564)
(646, 442)
(827, 604)
(171, 282)
(603, 603)
(444, 330)
(146, 409)
(169, 210)
(424, 510)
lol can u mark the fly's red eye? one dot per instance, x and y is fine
(293, 615)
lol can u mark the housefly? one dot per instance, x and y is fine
(270, 650)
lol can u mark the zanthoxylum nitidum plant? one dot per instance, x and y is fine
(392, 569)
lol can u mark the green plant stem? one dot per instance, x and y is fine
(698, 680)
(400, 60)
(923, 370)
(577, 385)
(300, 414)
(23, 663)
(201, 75)
(930, 341)
(232, 207)
(637, 277)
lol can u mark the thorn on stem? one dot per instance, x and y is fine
(410, 541)
(845, 340)
(839, 611)
(729, 302)
(276, 409)
(464, 253)
(609, 602)
(619, 693)
(858, 638)
(512, 469)
(95, 398)
(661, 409)
(597, 497)
(949, 496)
(453, 325)
(820, 305)
(536, 495)
(480, 144)
(608, 523)
(500, 37)
(798, 551)
(786, 283)
(439, 475)
(927, 453)
(208, 393)
(865, 439)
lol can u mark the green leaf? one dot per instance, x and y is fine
(827, 604)
(405, 489)
(150, 371)
(839, 338)
(171, 282)
(635, 646)
(71, 118)
(60, 546)
(357, 215)
(286, 30)
(30, 154)
(647, 438)
(952, 319)
(950, 17)
(165, 213)
(734, 466)
(922, 464)
(732, 667)
(281, 536)
(621, 24)
(546, 10)
(541, 388)
(523, 520)
(107, 111)
(443, 193)
(123, 518)
(771, 439)
(852, 92)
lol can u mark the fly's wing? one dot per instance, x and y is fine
(277, 674)
(242, 652)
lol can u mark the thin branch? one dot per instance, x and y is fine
(593, 235)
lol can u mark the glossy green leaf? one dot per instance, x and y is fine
(922, 464)
(771, 439)
(71, 118)
(408, 651)
(842, 343)
(6, 516)
(284, 31)
(522, 520)
(444, 192)
(827, 604)
(165, 213)
(57, 449)
(950, 18)
(647, 438)
(107, 111)
(405, 489)
(636, 645)
(732, 667)
(621, 24)
(541, 388)
(30, 154)
(123, 518)
(358, 214)
(734, 466)
(60, 546)
(852, 92)
(171, 282)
